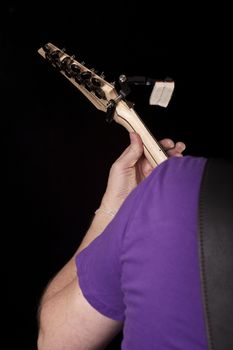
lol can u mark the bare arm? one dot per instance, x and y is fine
(66, 319)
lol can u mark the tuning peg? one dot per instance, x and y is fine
(122, 78)
(111, 107)
(46, 48)
(96, 81)
(75, 68)
(99, 93)
(66, 66)
(78, 78)
(86, 75)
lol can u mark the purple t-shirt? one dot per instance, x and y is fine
(144, 268)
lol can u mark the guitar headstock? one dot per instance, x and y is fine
(100, 92)
(111, 98)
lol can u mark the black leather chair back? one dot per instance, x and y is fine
(216, 251)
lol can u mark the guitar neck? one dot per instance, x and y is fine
(128, 118)
(100, 93)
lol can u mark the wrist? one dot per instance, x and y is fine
(110, 204)
(106, 211)
(99, 223)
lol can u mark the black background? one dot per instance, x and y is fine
(58, 147)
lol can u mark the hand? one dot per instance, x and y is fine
(130, 169)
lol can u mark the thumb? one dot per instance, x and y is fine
(133, 152)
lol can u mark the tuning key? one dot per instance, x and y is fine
(88, 85)
(99, 93)
(46, 48)
(86, 75)
(78, 78)
(102, 75)
(75, 68)
(66, 66)
(55, 57)
(96, 81)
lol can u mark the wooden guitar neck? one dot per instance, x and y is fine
(132, 122)
(105, 97)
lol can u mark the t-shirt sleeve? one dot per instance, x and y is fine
(99, 266)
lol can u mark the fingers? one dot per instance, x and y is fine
(135, 150)
(173, 149)
(180, 146)
(167, 144)
(177, 150)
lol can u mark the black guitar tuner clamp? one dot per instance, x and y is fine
(124, 90)
(123, 86)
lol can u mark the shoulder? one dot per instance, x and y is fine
(173, 170)
(179, 165)
(172, 179)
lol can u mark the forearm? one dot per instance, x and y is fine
(68, 272)
(63, 293)
(99, 223)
